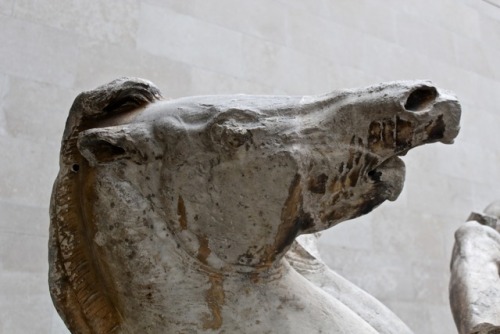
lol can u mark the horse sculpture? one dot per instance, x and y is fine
(175, 216)
(475, 267)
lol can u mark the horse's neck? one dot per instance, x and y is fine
(200, 302)
(190, 299)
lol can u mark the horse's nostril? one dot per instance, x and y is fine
(421, 98)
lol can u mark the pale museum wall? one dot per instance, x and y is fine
(51, 50)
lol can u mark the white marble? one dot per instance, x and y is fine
(474, 283)
(197, 199)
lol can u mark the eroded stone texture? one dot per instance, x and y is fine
(475, 280)
(175, 216)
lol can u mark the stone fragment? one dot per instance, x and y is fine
(175, 216)
(475, 280)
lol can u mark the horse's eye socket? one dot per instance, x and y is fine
(105, 151)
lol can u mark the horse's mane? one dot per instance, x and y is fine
(75, 278)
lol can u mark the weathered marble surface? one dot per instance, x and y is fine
(175, 216)
(475, 280)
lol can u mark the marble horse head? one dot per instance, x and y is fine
(175, 215)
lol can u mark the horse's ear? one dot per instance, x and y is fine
(105, 145)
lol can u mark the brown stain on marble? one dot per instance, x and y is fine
(317, 184)
(203, 249)
(404, 134)
(353, 177)
(335, 186)
(387, 134)
(435, 130)
(350, 172)
(293, 220)
(79, 289)
(254, 277)
(289, 215)
(181, 213)
(374, 136)
(214, 298)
